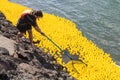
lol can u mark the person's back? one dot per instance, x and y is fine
(28, 11)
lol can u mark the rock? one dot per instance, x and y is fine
(4, 77)
(8, 44)
(4, 51)
(2, 16)
(7, 65)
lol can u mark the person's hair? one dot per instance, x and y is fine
(38, 13)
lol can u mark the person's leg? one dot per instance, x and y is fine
(30, 36)
(31, 39)
(20, 34)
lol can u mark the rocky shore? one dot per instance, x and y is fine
(18, 62)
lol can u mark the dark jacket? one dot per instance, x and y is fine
(26, 22)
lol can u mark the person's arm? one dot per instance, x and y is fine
(39, 30)
(32, 21)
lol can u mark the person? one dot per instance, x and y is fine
(25, 23)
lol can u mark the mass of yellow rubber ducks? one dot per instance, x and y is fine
(63, 32)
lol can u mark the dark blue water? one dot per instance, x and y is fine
(99, 20)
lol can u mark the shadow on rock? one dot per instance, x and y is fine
(4, 77)
(43, 61)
